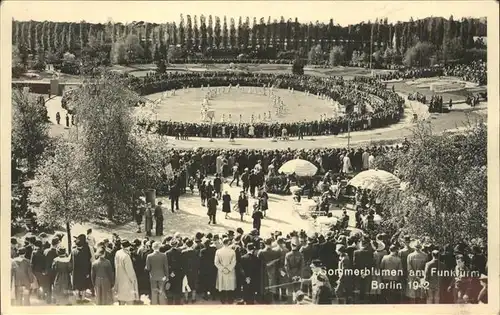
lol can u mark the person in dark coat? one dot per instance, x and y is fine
(144, 283)
(38, 266)
(245, 179)
(257, 217)
(61, 268)
(50, 254)
(139, 264)
(191, 264)
(139, 213)
(208, 271)
(159, 219)
(242, 204)
(81, 264)
(103, 279)
(263, 202)
(212, 204)
(67, 120)
(58, 118)
(252, 269)
(362, 260)
(148, 220)
(253, 182)
(174, 194)
(218, 186)
(226, 203)
(176, 273)
(209, 189)
(203, 193)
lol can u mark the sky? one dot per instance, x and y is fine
(342, 12)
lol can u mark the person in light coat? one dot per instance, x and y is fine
(371, 160)
(126, 285)
(225, 262)
(365, 158)
(346, 164)
(416, 266)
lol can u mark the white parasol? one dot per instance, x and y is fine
(299, 167)
(375, 180)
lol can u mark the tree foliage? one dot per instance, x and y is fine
(30, 127)
(446, 186)
(127, 50)
(337, 56)
(61, 189)
(224, 37)
(103, 108)
(315, 55)
(419, 55)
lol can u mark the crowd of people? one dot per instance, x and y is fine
(246, 267)
(475, 71)
(387, 107)
(186, 163)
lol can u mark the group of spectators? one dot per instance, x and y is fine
(207, 161)
(387, 107)
(245, 267)
(475, 71)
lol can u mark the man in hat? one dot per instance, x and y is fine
(103, 278)
(345, 285)
(307, 252)
(159, 219)
(432, 278)
(176, 270)
(208, 271)
(294, 265)
(38, 267)
(148, 220)
(157, 266)
(416, 266)
(252, 268)
(81, 262)
(45, 240)
(126, 285)
(403, 254)
(174, 192)
(363, 260)
(191, 265)
(50, 254)
(271, 258)
(212, 204)
(482, 298)
(392, 271)
(328, 255)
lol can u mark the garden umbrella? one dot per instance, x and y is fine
(299, 167)
(375, 180)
